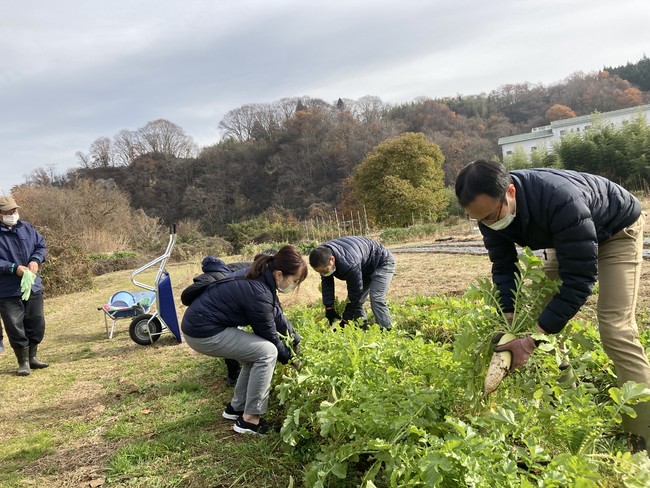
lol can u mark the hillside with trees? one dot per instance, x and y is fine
(297, 156)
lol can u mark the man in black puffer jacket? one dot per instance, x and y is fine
(590, 228)
(367, 268)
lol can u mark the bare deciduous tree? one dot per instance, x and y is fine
(85, 161)
(126, 147)
(164, 137)
(370, 109)
(44, 176)
(101, 153)
(239, 122)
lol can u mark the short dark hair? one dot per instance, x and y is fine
(481, 177)
(320, 256)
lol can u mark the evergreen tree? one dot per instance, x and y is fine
(400, 179)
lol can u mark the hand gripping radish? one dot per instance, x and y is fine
(509, 354)
(533, 291)
(521, 349)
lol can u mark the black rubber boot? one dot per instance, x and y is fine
(33, 362)
(22, 355)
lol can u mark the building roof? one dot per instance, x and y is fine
(547, 131)
(528, 136)
(588, 118)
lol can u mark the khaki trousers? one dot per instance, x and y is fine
(619, 273)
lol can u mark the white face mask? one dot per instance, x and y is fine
(330, 273)
(504, 222)
(10, 220)
(287, 289)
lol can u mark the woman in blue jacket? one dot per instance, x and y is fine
(214, 269)
(210, 326)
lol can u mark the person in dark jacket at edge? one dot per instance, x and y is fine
(22, 250)
(211, 324)
(367, 268)
(213, 270)
(590, 228)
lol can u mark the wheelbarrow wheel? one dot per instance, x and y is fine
(143, 331)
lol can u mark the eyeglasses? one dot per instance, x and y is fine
(9, 212)
(491, 219)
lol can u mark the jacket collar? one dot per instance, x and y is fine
(4, 228)
(269, 279)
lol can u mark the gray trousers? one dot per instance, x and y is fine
(257, 357)
(377, 289)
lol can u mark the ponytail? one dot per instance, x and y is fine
(259, 265)
(287, 260)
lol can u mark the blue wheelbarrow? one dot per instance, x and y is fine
(148, 322)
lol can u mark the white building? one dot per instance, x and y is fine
(544, 136)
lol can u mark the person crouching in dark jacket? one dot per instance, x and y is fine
(211, 327)
(215, 269)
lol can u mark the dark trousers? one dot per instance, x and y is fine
(233, 368)
(24, 321)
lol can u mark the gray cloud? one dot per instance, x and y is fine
(75, 70)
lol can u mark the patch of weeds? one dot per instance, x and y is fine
(184, 387)
(162, 481)
(136, 459)
(77, 428)
(18, 452)
(83, 352)
(123, 429)
(10, 476)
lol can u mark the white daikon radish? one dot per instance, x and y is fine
(499, 366)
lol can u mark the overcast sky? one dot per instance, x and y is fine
(76, 70)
